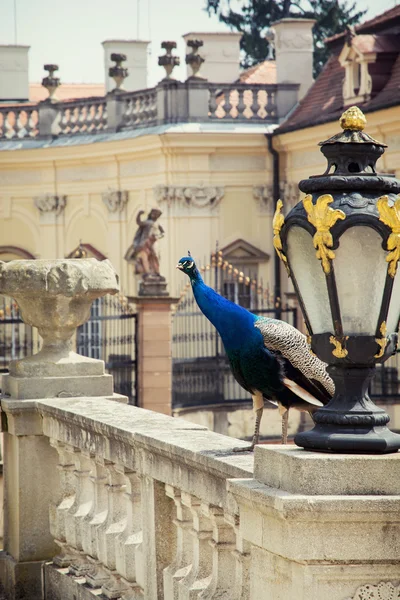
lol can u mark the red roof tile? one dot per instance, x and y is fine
(371, 24)
(324, 100)
(264, 72)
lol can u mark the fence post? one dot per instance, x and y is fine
(115, 111)
(48, 118)
(154, 360)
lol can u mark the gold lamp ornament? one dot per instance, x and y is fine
(341, 245)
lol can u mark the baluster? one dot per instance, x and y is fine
(139, 110)
(20, 124)
(97, 516)
(199, 575)
(96, 116)
(270, 107)
(127, 118)
(212, 104)
(78, 510)
(221, 584)
(241, 106)
(128, 544)
(10, 123)
(104, 116)
(227, 106)
(184, 546)
(113, 526)
(64, 121)
(29, 124)
(66, 467)
(255, 104)
(146, 107)
(241, 555)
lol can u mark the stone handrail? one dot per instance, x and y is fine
(169, 102)
(139, 506)
(243, 101)
(18, 122)
(140, 108)
(88, 115)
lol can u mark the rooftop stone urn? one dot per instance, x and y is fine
(56, 296)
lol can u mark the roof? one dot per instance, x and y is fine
(67, 91)
(370, 25)
(324, 100)
(264, 72)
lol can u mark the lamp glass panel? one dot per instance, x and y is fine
(360, 272)
(310, 279)
(394, 308)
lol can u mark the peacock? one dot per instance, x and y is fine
(269, 358)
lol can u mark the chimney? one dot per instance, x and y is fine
(294, 52)
(221, 52)
(14, 75)
(136, 63)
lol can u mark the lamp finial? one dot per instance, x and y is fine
(353, 118)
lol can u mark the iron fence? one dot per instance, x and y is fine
(109, 334)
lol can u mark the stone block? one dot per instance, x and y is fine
(314, 473)
(57, 387)
(20, 580)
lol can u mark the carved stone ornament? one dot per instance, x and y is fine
(197, 196)
(115, 200)
(263, 194)
(50, 203)
(381, 591)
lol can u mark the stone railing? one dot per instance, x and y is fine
(107, 500)
(243, 101)
(82, 116)
(140, 109)
(17, 122)
(169, 102)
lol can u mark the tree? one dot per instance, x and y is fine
(254, 16)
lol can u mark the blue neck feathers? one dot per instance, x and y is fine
(233, 322)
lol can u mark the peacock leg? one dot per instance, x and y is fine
(285, 419)
(258, 404)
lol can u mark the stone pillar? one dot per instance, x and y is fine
(221, 52)
(136, 63)
(154, 352)
(56, 297)
(294, 52)
(321, 525)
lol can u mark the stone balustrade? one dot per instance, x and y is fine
(106, 500)
(169, 102)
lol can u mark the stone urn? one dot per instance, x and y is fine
(56, 296)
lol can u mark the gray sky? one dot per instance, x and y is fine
(69, 32)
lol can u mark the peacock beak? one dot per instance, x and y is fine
(179, 266)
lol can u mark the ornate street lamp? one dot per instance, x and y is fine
(341, 247)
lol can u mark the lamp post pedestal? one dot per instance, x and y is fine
(351, 422)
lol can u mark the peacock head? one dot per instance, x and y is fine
(187, 265)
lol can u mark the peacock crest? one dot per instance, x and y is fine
(390, 215)
(323, 217)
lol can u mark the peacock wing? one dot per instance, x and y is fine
(301, 365)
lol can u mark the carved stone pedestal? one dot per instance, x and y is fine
(153, 286)
(321, 526)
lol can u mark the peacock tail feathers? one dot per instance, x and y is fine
(292, 344)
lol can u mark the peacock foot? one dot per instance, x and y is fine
(244, 448)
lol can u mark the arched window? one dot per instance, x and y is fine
(8, 253)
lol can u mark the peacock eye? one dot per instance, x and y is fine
(189, 264)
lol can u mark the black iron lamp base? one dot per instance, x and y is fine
(351, 422)
(331, 438)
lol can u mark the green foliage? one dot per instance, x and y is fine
(254, 16)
